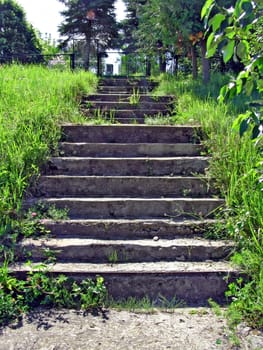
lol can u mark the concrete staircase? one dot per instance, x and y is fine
(139, 207)
(125, 101)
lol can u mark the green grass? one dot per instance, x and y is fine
(236, 168)
(34, 101)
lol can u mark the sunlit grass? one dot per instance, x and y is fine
(235, 168)
(34, 101)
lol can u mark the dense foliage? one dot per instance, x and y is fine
(233, 31)
(18, 40)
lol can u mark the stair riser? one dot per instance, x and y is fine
(193, 288)
(123, 90)
(119, 229)
(115, 106)
(128, 253)
(130, 134)
(125, 113)
(125, 167)
(128, 150)
(134, 83)
(125, 208)
(121, 187)
(127, 98)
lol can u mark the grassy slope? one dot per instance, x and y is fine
(33, 102)
(236, 168)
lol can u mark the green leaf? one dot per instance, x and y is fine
(243, 127)
(207, 8)
(216, 21)
(249, 86)
(211, 45)
(243, 50)
(228, 51)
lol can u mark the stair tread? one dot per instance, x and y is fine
(163, 243)
(163, 267)
(140, 221)
(134, 199)
(129, 177)
(118, 159)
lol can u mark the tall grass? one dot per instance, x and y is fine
(34, 101)
(236, 168)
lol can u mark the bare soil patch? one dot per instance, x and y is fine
(180, 329)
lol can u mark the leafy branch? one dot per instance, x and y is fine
(230, 30)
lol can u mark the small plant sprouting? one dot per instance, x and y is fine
(135, 97)
(113, 257)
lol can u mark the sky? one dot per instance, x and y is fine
(45, 16)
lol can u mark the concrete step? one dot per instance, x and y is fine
(136, 208)
(115, 106)
(130, 82)
(128, 114)
(116, 186)
(192, 282)
(109, 229)
(169, 166)
(124, 89)
(101, 251)
(124, 97)
(131, 133)
(84, 149)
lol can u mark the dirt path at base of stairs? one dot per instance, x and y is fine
(182, 329)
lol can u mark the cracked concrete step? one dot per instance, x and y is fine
(113, 251)
(98, 208)
(127, 166)
(117, 186)
(193, 282)
(131, 133)
(124, 97)
(84, 149)
(107, 106)
(129, 229)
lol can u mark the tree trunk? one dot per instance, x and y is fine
(88, 46)
(205, 62)
(162, 63)
(194, 62)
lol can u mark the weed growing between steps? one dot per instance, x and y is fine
(33, 102)
(236, 170)
(145, 304)
(18, 296)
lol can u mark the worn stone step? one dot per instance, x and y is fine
(133, 82)
(124, 97)
(124, 89)
(116, 186)
(131, 133)
(170, 166)
(113, 251)
(108, 229)
(84, 149)
(130, 114)
(192, 282)
(103, 208)
(147, 107)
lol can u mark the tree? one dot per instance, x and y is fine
(232, 30)
(94, 20)
(18, 39)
